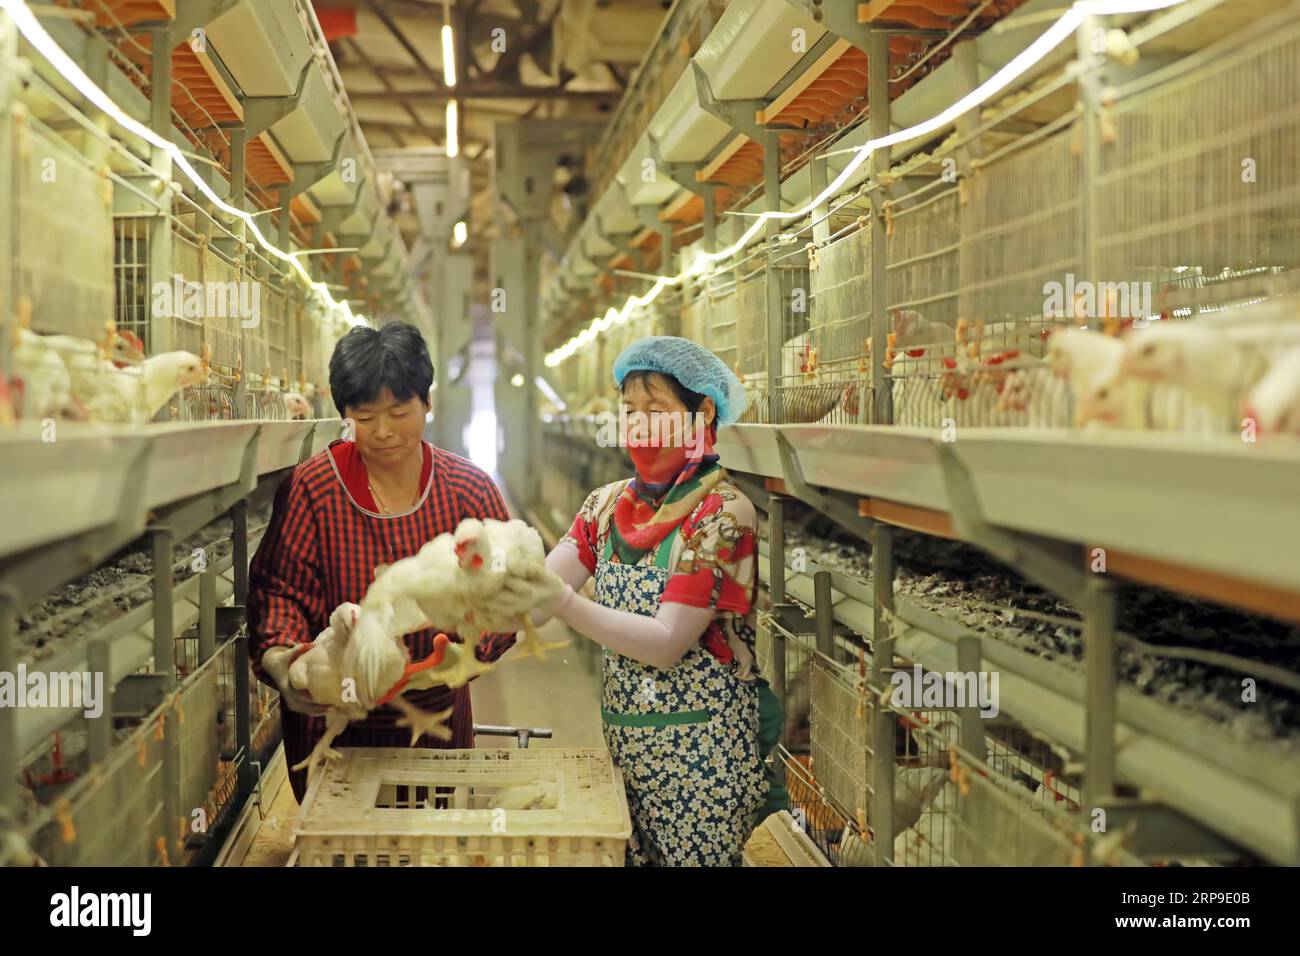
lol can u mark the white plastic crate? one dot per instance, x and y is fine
(422, 807)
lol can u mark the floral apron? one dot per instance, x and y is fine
(686, 739)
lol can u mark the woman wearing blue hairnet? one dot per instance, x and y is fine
(673, 552)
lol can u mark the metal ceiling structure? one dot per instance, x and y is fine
(515, 59)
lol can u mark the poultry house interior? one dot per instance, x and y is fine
(323, 324)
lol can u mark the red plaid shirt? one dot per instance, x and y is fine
(320, 550)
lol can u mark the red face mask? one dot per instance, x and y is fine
(656, 463)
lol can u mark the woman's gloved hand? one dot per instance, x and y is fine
(276, 663)
(520, 594)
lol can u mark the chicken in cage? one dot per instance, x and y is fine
(69, 376)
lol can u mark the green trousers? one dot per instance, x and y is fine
(770, 720)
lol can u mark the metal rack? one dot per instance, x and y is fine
(93, 191)
(165, 481)
(1217, 797)
(1210, 779)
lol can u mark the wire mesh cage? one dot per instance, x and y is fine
(697, 319)
(953, 808)
(264, 706)
(841, 735)
(970, 271)
(213, 293)
(255, 309)
(1199, 172)
(750, 315)
(264, 402)
(213, 401)
(131, 293)
(723, 324)
(770, 639)
(1020, 231)
(830, 830)
(802, 394)
(835, 355)
(113, 815)
(62, 247)
(205, 721)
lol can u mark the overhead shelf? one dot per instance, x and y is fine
(73, 486)
(1219, 518)
(263, 46)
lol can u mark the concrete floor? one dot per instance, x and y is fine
(561, 693)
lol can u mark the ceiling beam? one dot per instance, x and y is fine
(370, 65)
(387, 20)
(495, 91)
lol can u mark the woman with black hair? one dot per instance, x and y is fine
(369, 499)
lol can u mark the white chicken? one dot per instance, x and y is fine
(915, 789)
(914, 333)
(544, 795)
(47, 387)
(319, 672)
(451, 585)
(1209, 366)
(927, 842)
(135, 393)
(299, 408)
(1274, 403)
(1081, 357)
(1112, 401)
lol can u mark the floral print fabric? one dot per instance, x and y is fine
(714, 557)
(694, 788)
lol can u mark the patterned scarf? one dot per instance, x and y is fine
(667, 487)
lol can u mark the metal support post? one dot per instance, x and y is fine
(239, 546)
(884, 723)
(878, 96)
(207, 614)
(775, 306)
(164, 628)
(161, 334)
(1102, 690)
(776, 591)
(99, 731)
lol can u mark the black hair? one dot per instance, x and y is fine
(366, 361)
(692, 400)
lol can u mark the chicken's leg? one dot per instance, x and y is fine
(467, 665)
(533, 645)
(336, 721)
(423, 722)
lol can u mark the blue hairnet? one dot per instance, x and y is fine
(693, 365)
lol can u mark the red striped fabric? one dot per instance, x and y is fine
(320, 550)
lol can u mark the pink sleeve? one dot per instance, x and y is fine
(660, 641)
